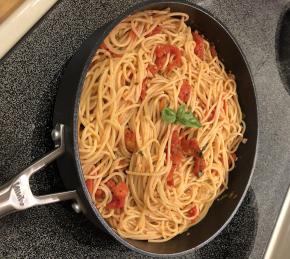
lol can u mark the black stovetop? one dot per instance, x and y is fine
(29, 78)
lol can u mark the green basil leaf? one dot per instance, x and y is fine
(181, 116)
(180, 112)
(168, 115)
(187, 118)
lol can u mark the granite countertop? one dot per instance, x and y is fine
(29, 78)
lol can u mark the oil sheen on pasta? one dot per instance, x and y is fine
(150, 179)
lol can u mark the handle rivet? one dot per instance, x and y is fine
(76, 207)
(55, 135)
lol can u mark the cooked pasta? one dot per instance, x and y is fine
(159, 125)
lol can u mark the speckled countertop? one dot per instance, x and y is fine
(28, 84)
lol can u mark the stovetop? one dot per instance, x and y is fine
(29, 78)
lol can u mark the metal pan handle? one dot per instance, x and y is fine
(16, 194)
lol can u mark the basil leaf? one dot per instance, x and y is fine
(180, 112)
(181, 116)
(186, 118)
(189, 120)
(168, 115)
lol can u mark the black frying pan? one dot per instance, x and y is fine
(16, 194)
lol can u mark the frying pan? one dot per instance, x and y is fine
(16, 194)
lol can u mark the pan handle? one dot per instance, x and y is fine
(16, 195)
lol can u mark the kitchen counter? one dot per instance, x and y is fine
(29, 78)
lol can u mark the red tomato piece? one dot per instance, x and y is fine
(202, 164)
(190, 146)
(90, 185)
(196, 166)
(116, 203)
(193, 212)
(162, 50)
(171, 65)
(197, 38)
(199, 47)
(175, 140)
(160, 62)
(176, 154)
(199, 165)
(186, 148)
(130, 140)
(184, 92)
(111, 184)
(121, 190)
(176, 62)
(121, 203)
(153, 69)
(99, 194)
(144, 89)
(113, 204)
(213, 51)
(156, 30)
(199, 51)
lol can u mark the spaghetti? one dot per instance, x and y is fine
(159, 125)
